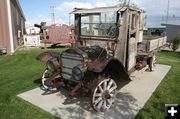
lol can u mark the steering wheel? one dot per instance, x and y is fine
(111, 31)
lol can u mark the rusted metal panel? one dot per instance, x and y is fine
(112, 67)
(59, 34)
(98, 65)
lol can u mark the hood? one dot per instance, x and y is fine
(94, 52)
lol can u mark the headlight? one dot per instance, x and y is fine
(77, 72)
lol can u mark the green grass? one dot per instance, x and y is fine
(20, 72)
(168, 90)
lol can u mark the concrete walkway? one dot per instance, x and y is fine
(130, 99)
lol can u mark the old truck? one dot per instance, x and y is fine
(107, 50)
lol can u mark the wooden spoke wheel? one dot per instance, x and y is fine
(152, 63)
(103, 95)
(45, 79)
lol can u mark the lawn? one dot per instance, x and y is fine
(168, 90)
(20, 72)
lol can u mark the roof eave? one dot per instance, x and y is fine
(21, 9)
(104, 9)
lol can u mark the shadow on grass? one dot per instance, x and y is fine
(55, 47)
(59, 46)
(37, 81)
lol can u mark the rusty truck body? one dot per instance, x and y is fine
(107, 50)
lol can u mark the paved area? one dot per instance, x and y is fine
(130, 99)
(169, 49)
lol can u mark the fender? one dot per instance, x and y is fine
(112, 67)
(47, 55)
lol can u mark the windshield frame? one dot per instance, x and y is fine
(112, 27)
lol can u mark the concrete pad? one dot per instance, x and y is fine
(130, 99)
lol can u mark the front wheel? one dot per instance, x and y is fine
(104, 95)
(45, 79)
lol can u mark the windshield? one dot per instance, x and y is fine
(99, 24)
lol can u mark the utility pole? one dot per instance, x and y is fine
(52, 14)
(69, 20)
(123, 2)
(128, 2)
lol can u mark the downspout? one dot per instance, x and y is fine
(10, 26)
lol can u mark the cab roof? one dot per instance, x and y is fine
(104, 9)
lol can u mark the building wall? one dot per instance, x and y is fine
(173, 31)
(32, 30)
(17, 24)
(4, 27)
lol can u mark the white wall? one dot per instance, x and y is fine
(32, 30)
(32, 40)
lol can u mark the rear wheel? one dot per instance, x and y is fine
(104, 95)
(152, 63)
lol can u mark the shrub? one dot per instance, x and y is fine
(175, 43)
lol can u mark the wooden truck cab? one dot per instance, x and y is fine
(118, 29)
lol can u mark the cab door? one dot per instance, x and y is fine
(132, 40)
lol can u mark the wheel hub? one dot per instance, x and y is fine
(48, 83)
(106, 95)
